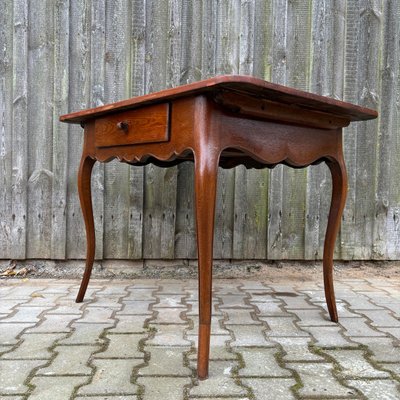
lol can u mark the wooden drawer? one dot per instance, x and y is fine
(143, 125)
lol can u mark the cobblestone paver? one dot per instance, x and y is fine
(137, 340)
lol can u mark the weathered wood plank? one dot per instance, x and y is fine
(117, 87)
(19, 175)
(136, 174)
(347, 230)
(191, 70)
(97, 98)
(160, 184)
(251, 186)
(60, 131)
(6, 116)
(326, 78)
(368, 60)
(226, 62)
(79, 98)
(40, 125)
(386, 232)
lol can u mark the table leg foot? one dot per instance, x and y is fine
(85, 197)
(206, 170)
(204, 345)
(339, 191)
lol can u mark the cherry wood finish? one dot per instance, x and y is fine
(224, 121)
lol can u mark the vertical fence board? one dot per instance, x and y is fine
(6, 115)
(136, 174)
(65, 55)
(368, 95)
(79, 95)
(19, 174)
(97, 98)
(40, 111)
(387, 121)
(162, 41)
(117, 87)
(60, 132)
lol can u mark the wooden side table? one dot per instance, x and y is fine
(224, 121)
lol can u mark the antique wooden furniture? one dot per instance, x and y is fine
(224, 121)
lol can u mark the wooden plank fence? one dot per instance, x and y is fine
(64, 55)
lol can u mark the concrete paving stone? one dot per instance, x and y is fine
(377, 389)
(382, 348)
(70, 360)
(315, 317)
(251, 284)
(261, 362)
(353, 364)
(34, 346)
(270, 388)
(11, 332)
(176, 287)
(136, 307)
(358, 327)
(219, 398)
(344, 312)
(60, 387)
(319, 381)
(329, 336)
(282, 326)
(13, 374)
(114, 290)
(165, 389)
(114, 303)
(144, 283)
(23, 290)
(240, 316)
(381, 318)
(216, 328)
(224, 287)
(6, 306)
(270, 309)
(359, 302)
(219, 382)
(252, 335)
(219, 349)
(24, 314)
(85, 334)
(111, 377)
(57, 288)
(261, 296)
(122, 346)
(166, 361)
(394, 307)
(168, 335)
(237, 300)
(96, 315)
(169, 301)
(394, 368)
(39, 299)
(89, 295)
(54, 323)
(67, 308)
(106, 397)
(392, 331)
(282, 287)
(140, 294)
(296, 302)
(296, 349)
(168, 316)
(130, 324)
(193, 307)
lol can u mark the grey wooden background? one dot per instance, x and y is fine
(64, 55)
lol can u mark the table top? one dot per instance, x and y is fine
(238, 84)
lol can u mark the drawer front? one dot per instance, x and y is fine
(144, 125)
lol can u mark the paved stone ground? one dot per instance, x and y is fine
(136, 340)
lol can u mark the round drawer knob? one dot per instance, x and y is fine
(123, 126)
